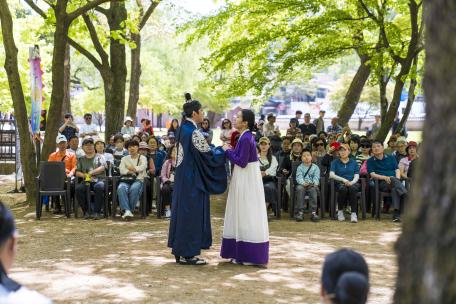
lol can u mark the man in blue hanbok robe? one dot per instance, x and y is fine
(200, 171)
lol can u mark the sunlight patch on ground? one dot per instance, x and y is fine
(69, 281)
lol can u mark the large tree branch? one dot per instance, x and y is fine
(36, 8)
(104, 11)
(86, 53)
(148, 13)
(96, 41)
(84, 9)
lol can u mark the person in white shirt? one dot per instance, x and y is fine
(271, 128)
(128, 127)
(11, 291)
(73, 142)
(268, 168)
(132, 170)
(88, 129)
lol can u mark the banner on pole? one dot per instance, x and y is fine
(36, 87)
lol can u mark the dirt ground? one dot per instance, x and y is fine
(106, 261)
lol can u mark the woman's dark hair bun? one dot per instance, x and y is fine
(188, 97)
(352, 288)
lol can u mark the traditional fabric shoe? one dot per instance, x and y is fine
(340, 216)
(354, 218)
(192, 261)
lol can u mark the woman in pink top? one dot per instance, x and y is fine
(167, 181)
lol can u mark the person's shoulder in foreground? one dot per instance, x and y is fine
(10, 291)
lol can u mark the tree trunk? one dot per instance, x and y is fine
(427, 268)
(383, 99)
(395, 102)
(58, 82)
(410, 100)
(66, 106)
(354, 91)
(115, 103)
(135, 75)
(28, 155)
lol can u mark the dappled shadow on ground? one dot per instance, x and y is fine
(72, 260)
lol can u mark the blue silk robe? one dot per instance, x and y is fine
(200, 172)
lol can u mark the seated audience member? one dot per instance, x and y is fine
(101, 151)
(172, 139)
(268, 168)
(132, 171)
(271, 128)
(144, 137)
(391, 149)
(259, 129)
(174, 126)
(344, 278)
(63, 154)
(354, 143)
(401, 146)
(74, 147)
(144, 150)
(307, 128)
(284, 151)
(88, 129)
(307, 182)
(332, 154)
(10, 291)
(319, 151)
(91, 171)
(293, 130)
(111, 145)
(287, 163)
(334, 128)
(128, 127)
(119, 152)
(323, 135)
(405, 162)
(206, 127)
(227, 130)
(158, 156)
(345, 172)
(69, 128)
(365, 153)
(136, 137)
(383, 167)
(167, 181)
(147, 127)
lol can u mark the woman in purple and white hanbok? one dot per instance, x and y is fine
(246, 231)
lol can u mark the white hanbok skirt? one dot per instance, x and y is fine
(246, 231)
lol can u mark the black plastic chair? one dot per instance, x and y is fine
(379, 197)
(361, 195)
(90, 194)
(142, 200)
(52, 181)
(320, 192)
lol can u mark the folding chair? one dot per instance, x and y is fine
(379, 197)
